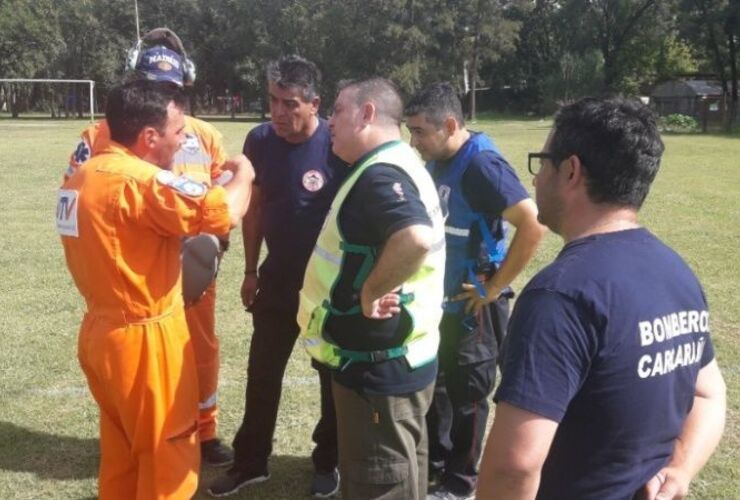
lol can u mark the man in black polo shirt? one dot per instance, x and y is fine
(372, 294)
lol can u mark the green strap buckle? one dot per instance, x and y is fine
(371, 356)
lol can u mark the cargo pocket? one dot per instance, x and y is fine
(387, 480)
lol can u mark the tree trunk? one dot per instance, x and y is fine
(731, 28)
(474, 61)
(13, 101)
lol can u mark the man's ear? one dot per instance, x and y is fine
(148, 137)
(450, 125)
(572, 169)
(368, 113)
(315, 104)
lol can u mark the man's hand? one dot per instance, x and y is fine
(475, 301)
(239, 164)
(668, 484)
(239, 188)
(249, 289)
(382, 308)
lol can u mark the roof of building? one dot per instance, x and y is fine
(688, 88)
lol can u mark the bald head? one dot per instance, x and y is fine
(367, 113)
(382, 93)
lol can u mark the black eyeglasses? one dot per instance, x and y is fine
(538, 164)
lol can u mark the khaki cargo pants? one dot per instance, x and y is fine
(382, 444)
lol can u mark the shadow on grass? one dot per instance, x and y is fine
(290, 478)
(49, 456)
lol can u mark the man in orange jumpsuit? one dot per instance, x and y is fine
(160, 56)
(121, 217)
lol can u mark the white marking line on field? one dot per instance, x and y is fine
(31, 125)
(63, 392)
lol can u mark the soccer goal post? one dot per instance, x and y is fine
(90, 83)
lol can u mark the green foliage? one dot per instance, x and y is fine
(678, 123)
(539, 51)
(29, 38)
(571, 77)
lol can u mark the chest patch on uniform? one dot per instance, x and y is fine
(313, 180)
(182, 184)
(398, 189)
(82, 153)
(191, 144)
(444, 193)
(66, 218)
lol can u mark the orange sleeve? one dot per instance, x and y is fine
(175, 205)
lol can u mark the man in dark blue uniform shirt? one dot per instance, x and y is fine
(297, 177)
(609, 385)
(481, 192)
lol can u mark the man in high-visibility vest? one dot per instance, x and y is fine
(372, 294)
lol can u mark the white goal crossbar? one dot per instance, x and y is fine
(91, 85)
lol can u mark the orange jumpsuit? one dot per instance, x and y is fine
(201, 158)
(121, 220)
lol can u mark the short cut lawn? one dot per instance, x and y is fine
(48, 420)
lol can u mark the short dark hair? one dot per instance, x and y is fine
(294, 71)
(618, 143)
(381, 92)
(437, 101)
(138, 104)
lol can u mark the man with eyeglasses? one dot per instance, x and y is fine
(609, 387)
(480, 192)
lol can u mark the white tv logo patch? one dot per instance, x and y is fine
(66, 218)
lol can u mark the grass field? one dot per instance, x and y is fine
(48, 421)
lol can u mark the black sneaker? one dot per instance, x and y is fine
(233, 481)
(216, 454)
(442, 493)
(325, 485)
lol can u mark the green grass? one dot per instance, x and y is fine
(48, 421)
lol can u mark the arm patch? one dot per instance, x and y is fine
(182, 184)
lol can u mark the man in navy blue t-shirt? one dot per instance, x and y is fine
(609, 385)
(481, 192)
(297, 177)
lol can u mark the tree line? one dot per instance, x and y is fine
(529, 54)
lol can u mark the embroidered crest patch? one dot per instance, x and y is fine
(82, 153)
(313, 180)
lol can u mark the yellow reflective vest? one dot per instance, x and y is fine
(421, 295)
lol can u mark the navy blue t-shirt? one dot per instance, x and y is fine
(608, 341)
(297, 185)
(490, 185)
(384, 200)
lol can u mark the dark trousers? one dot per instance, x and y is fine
(275, 334)
(382, 444)
(459, 411)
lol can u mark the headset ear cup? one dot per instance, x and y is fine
(188, 69)
(132, 57)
